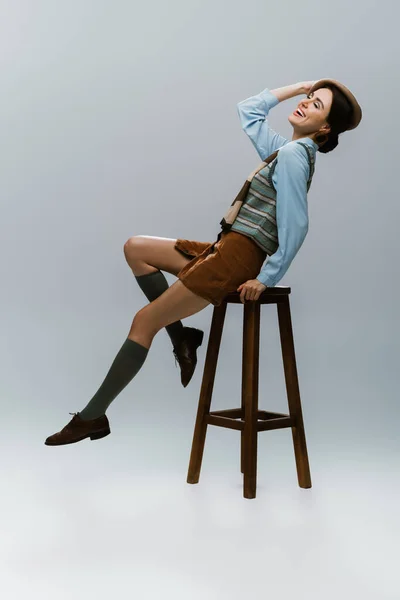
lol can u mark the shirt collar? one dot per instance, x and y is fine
(309, 142)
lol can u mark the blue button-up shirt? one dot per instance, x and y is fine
(289, 178)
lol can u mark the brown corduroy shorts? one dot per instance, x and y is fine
(218, 268)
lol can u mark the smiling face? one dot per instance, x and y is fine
(314, 110)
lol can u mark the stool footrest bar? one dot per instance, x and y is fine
(224, 422)
(279, 423)
(233, 419)
(238, 413)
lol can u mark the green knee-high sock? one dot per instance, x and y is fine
(153, 285)
(126, 364)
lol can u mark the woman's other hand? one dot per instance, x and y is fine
(306, 86)
(251, 290)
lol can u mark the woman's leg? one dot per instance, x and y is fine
(147, 256)
(178, 302)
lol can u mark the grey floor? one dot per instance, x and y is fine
(116, 516)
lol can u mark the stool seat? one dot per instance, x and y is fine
(248, 418)
(265, 296)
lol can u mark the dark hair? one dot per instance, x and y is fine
(338, 119)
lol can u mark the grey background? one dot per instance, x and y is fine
(119, 118)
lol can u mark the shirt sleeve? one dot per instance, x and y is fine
(253, 117)
(290, 179)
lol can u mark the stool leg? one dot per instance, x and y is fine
(250, 359)
(293, 393)
(207, 384)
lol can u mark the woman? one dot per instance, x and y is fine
(276, 207)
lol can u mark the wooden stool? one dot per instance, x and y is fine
(248, 419)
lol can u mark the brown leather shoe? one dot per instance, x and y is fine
(78, 429)
(185, 352)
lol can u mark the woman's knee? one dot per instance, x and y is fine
(133, 247)
(143, 322)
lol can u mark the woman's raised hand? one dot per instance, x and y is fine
(306, 86)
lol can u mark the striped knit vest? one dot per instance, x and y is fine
(257, 216)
